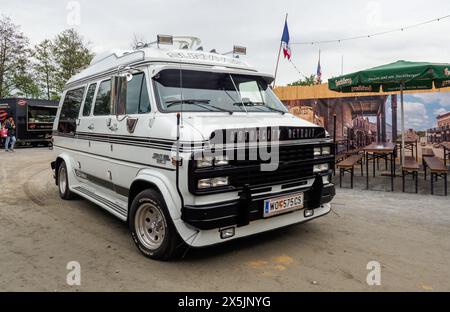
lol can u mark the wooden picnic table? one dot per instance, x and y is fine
(410, 144)
(446, 147)
(384, 150)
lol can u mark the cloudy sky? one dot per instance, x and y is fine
(421, 109)
(258, 25)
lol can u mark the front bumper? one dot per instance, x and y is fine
(248, 208)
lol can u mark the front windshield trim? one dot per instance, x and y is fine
(270, 110)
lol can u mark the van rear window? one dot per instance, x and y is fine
(88, 100)
(70, 110)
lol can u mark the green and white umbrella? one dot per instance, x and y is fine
(398, 76)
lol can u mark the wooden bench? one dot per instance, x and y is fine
(338, 158)
(426, 152)
(348, 165)
(410, 167)
(437, 170)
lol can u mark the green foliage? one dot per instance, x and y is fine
(307, 81)
(41, 71)
(421, 133)
(71, 55)
(45, 68)
(25, 80)
(14, 55)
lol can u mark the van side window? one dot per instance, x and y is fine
(88, 100)
(137, 96)
(103, 100)
(70, 110)
(144, 104)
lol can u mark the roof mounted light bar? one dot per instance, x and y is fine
(239, 50)
(165, 39)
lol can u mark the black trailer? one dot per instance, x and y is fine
(34, 119)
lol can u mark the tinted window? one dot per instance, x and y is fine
(70, 110)
(88, 101)
(103, 99)
(137, 95)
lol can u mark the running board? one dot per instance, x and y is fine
(110, 206)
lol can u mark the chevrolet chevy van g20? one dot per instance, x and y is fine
(190, 148)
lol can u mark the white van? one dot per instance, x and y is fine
(191, 148)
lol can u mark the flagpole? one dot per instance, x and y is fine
(319, 79)
(279, 54)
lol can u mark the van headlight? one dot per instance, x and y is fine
(220, 181)
(321, 168)
(210, 162)
(204, 162)
(322, 151)
(221, 161)
(213, 182)
(317, 151)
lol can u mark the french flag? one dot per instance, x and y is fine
(285, 42)
(319, 71)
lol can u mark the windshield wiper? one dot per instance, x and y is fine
(276, 110)
(259, 104)
(201, 103)
(186, 101)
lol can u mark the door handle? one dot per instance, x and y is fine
(113, 127)
(91, 127)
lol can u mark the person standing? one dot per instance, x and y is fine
(11, 137)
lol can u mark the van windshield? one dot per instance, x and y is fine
(199, 91)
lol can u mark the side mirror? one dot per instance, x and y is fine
(119, 95)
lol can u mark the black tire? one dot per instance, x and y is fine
(63, 182)
(151, 203)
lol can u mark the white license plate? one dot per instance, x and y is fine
(283, 204)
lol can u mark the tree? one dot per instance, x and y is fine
(307, 81)
(14, 52)
(71, 54)
(25, 80)
(45, 68)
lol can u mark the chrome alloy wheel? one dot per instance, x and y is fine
(150, 226)
(62, 180)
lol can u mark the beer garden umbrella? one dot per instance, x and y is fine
(398, 76)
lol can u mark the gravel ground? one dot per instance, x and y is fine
(407, 234)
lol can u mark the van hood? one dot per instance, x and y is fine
(207, 124)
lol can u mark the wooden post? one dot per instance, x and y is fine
(383, 119)
(334, 133)
(394, 117)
